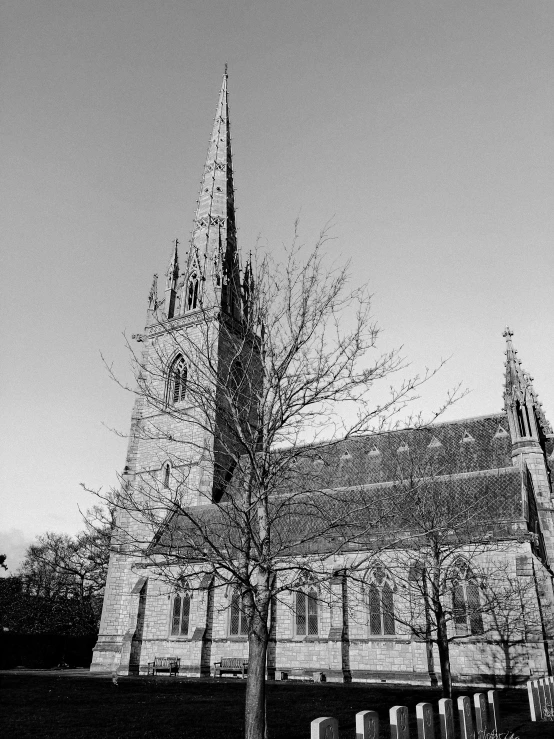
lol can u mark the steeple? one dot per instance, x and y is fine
(213, 257)
(527, 421)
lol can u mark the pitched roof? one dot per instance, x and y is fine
(449, 448)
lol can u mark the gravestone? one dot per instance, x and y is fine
(399, 722)
(542, 695)
(545, 681)
(534, 703)
(319, 677)
(481, 713)
(281, 675)
(494, 713)
(446, 716)
(324, 728)
(550, 684)
(425, 721)
(466, 719)
(367, 725)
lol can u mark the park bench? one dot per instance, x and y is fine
(164, 664)
(233, 665)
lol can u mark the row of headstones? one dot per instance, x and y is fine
(367, 722)
(541, 697)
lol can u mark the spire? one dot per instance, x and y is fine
(214, 242)
(527, 419)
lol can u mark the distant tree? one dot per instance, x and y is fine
(58, 588)
(3, 564)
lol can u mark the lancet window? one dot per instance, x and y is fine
(238, 625)
(381, 603)
(177, 381)
(466, 601)
(306, 613)
(192, 292)
(180, 614)
(166, 474)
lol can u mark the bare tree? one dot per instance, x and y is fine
(452, 555)
(254, 400)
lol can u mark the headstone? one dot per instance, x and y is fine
(446, 716)
(367, 725)
(281, 675)
(494, 713)
(399, 722)
(425, 721)
(550, 684)
(542, 695)
(466, 719)
(324, 728)
(319, 677)
(534, 703)
(481, 713)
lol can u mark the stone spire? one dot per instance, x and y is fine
(213, 253)
(525, 414)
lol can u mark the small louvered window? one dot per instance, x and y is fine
(177, 381)
(192, 292)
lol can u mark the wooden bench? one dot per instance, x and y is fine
(233, 665)
(164, 664)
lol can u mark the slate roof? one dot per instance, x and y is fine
(478, 504)
(355, 490)
(449, 448)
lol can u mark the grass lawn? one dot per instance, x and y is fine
(51, 706)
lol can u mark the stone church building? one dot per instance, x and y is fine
(509, 455)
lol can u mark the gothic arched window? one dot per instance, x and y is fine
(237, 618)
(381, 603)
(466, 601)
(177, 381)
(192, 292)
(180, 614)
(306, 617)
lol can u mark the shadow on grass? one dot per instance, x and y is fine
(64, 707)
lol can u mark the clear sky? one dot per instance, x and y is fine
(422, 128)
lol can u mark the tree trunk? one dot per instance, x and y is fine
(255, 719)
(444, 655)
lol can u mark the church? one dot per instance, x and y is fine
(362, 630)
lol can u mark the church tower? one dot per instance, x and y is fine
(180, 451)
(530, 432)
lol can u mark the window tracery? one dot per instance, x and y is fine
(177, 381)
(180, 614)
(381, 603)
(466, 601)
(238, 625)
